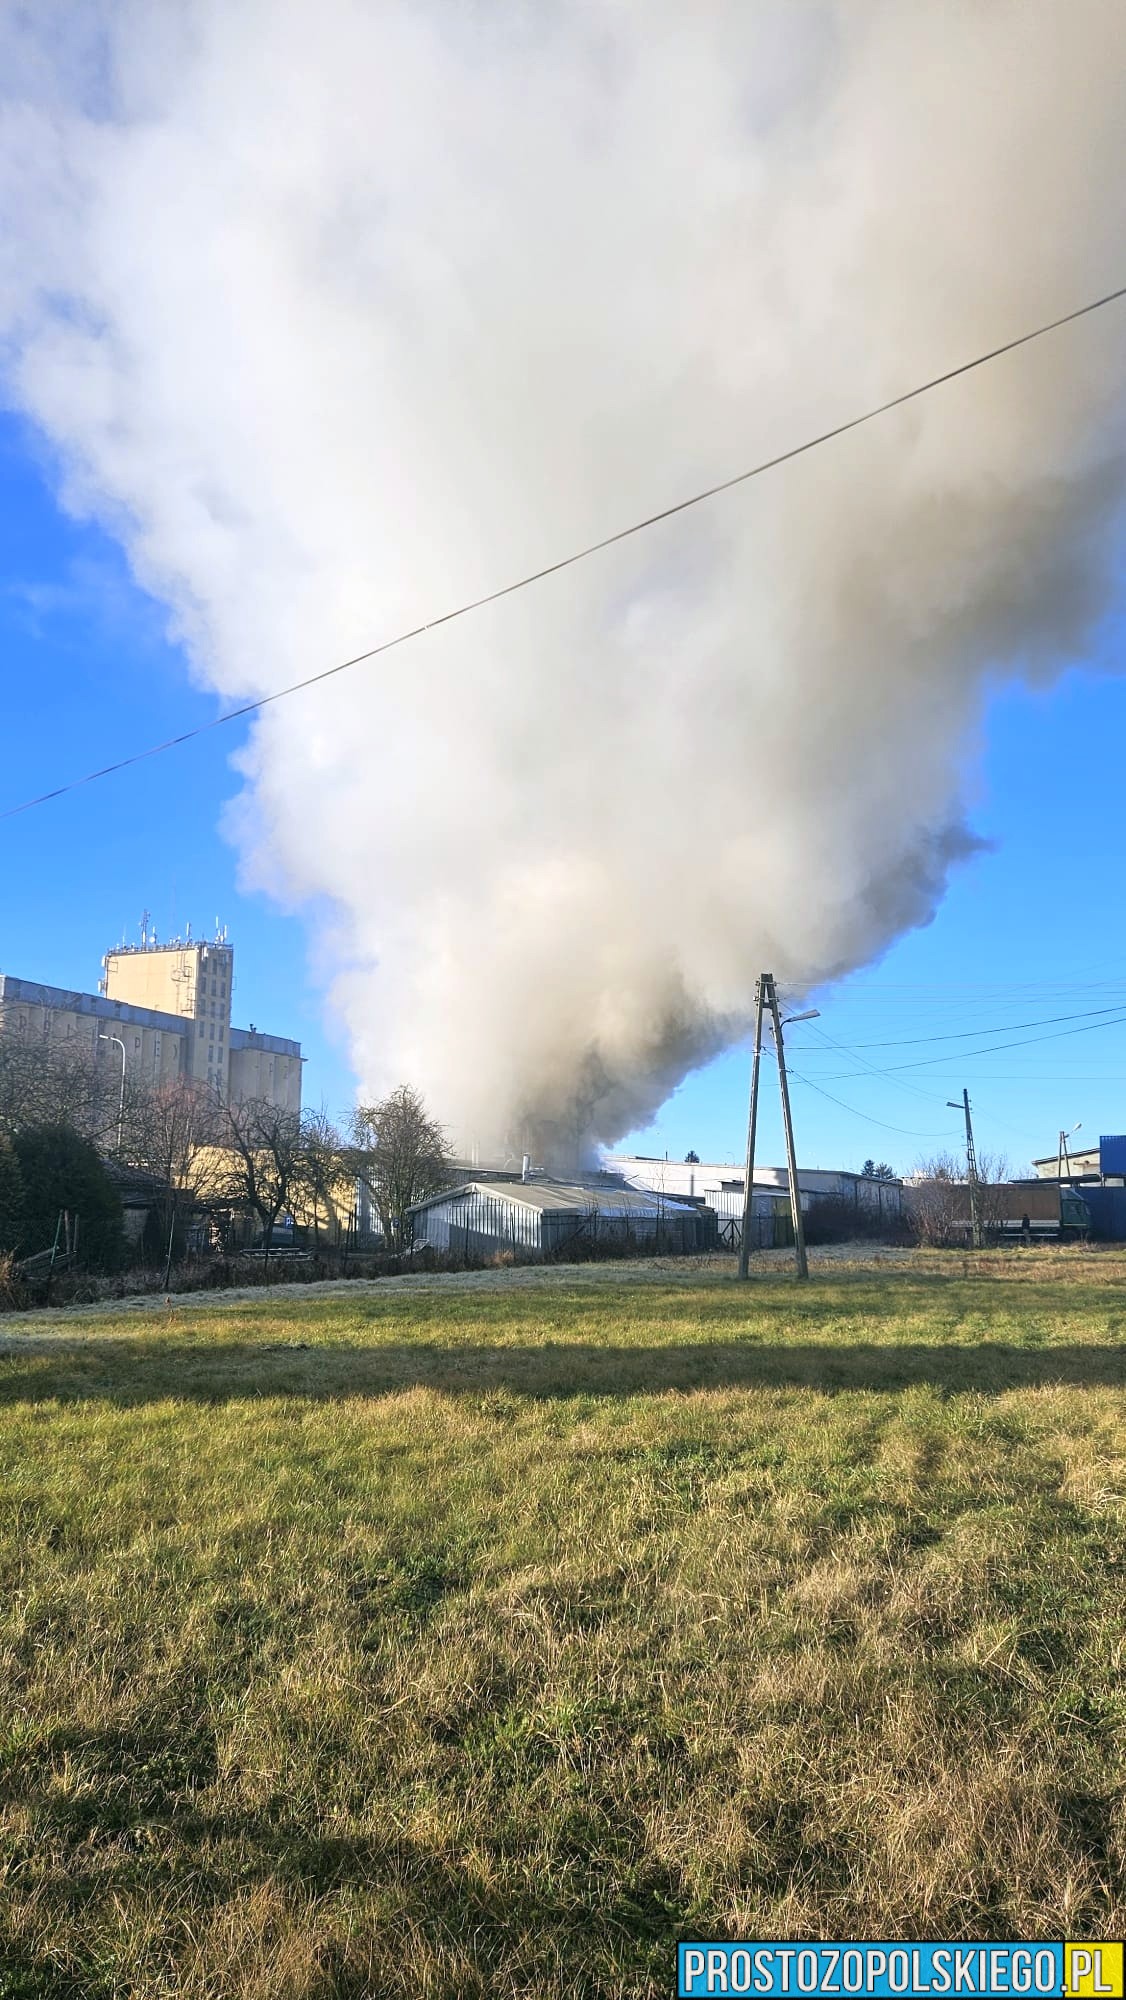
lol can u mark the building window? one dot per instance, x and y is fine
(201, 1031)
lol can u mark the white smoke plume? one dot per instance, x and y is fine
(342, 315)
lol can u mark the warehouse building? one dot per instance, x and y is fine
(1098, 1175)
(1104, 1163)
(168, 1009)
(721, 1186)
(542, 1218)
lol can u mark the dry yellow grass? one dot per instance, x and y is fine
(477, 1639)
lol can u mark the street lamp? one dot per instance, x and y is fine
(121, 1099)
(814, 1014)
(1063, 1158)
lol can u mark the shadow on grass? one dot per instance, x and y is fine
(596, 1903)
(603, 1897)
(130, 1373)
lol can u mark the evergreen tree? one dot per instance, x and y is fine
(11, 1196)
(62, 1174)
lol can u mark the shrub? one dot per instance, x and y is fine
(11, 1196)
(13, 1294)
(836, 1219)
(62, 1174)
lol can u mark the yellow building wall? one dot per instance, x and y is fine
(164, 980)
(194, 980)
(150, 1053)
(260, 1073)
(216, 1169)
(193, 984)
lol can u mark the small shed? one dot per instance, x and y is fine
(139, 1193)
(772, 1225)
(542, 1218)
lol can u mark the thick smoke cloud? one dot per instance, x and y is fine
(342, 315)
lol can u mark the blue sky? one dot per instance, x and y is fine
(1029, 930)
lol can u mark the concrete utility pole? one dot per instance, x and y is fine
(976, 1230)
(800, 1258)
(766, 995)
(752, 1121)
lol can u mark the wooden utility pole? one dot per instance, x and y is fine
(800, 1258)
(752, 1121)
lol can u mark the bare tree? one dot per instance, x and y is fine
(56, 1083)
(263, 1166)
(322, 1166)
(172, 1130)
(938, 1200)
(18, 1082)
(938, 1197)
(992, 1176)
(402, 1155)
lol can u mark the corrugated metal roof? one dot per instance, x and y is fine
(565, 1195)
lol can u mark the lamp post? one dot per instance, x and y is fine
(1064, 1156)
(121, 1098)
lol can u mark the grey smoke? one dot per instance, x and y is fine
(340, 315)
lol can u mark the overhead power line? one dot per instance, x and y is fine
(568, 561)
(1027, 1076)
(968, 1034)
(900, 1082)
(904, 1131)
(994, 1048)
(957, 994)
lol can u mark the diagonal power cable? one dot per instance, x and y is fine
(568, 561)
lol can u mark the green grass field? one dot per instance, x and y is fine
(463, 1641)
